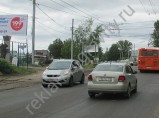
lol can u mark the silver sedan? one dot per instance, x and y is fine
(112, 78)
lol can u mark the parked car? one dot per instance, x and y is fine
(112, 78)
(64, 72)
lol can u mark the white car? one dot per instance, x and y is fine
(112, 78)
(63, 72)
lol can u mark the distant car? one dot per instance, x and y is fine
(112, 78)
(64, 72)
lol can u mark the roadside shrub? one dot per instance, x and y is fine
(6, 67)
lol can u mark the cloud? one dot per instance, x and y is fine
(136, 28)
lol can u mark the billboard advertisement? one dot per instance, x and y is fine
(11, 25)
(91, 48)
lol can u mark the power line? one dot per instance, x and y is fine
(59, 10)
(50, 27)
(80, 7)
(46, 30)
(64, 27)
(152, 7)
(74, 12)
(145, 35)
(52, 8)
(82, 11)
(62, 5)
(133, 28)
(136, 22)
(144, 7)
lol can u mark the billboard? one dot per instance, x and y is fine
(13, 25)
(91, 48)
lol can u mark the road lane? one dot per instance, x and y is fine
(74, 102)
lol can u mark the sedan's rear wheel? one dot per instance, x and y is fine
(135, 90)
(128, 93)
(91, 94)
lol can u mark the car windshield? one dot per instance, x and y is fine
(117, 68)
(59, 65)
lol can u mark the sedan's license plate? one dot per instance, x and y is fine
(105, 79)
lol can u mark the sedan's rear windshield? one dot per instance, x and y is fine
(59, 65)
(117, 68)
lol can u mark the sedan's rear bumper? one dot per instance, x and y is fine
(119, 87)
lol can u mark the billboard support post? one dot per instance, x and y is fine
(7, 42)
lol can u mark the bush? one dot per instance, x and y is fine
(23, 71)
(6, 67)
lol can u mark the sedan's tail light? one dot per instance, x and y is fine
(121, 78)
(90, 78)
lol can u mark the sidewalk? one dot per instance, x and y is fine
(10, 82)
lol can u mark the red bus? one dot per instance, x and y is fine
(148, 59)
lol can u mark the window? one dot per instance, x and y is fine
(59, 65)
(149, 53)
(128, 69)
(117, 68)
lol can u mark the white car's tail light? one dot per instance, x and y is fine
(90, 78)
(121, 78)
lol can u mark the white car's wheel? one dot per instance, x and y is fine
(128, 93)
(91, 94)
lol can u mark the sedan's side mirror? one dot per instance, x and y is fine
(74, 68)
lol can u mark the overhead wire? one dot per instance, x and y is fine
(50, 27)
(62, 26)
(86, 10)
(144, 8)
(62, 5)
(61, 10)
(46, 30)
(83, 12)
(52, 8)
(152, 7)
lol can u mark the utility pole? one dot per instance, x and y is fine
(72, 39)
(33, 31)
(134, 51)
(18, 55)
(27, 52)
(12, 50)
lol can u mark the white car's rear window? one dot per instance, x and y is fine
(117, 68)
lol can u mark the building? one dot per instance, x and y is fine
(41, 56)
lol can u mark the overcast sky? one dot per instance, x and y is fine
(56, 21)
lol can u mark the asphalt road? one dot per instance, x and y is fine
(66, 102)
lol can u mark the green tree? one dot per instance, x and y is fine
(66, 49)
(55, 48)
(113, 54)
(86, 35)
(155, 35)
(124, 47)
